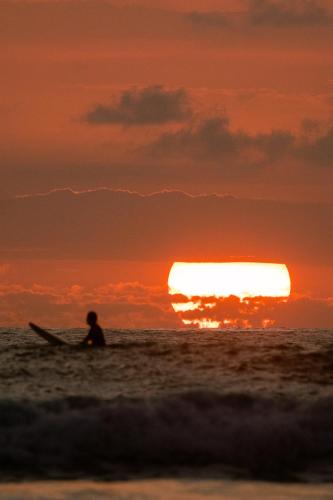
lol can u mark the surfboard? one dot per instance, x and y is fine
(49, 337)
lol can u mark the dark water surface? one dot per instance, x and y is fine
(253, 404)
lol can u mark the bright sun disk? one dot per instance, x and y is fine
(221, 280)
(242, 279)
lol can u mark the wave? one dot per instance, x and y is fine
(79, 437)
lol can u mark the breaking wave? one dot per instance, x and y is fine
(77, 436)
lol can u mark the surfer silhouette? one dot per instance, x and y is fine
(95, 337)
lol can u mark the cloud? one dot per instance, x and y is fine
(267, 13)
(213, 139)
(318, 151)
(215, 18)
(297, 312)
(130, 305)
(283, 13)
(149, 106)
(201, 155)
(164, 226)
(134, 305)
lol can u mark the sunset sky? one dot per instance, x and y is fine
(136, 133)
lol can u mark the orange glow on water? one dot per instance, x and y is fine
(220, 280)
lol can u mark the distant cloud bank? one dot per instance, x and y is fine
(165, 226)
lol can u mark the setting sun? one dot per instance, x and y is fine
(244, 280)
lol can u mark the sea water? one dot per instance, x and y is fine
(213, 408)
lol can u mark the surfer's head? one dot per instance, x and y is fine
(91, 318)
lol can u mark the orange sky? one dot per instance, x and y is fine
(225, 97)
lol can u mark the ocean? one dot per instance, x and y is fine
(219, 414)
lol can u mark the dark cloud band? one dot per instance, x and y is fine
(165, 226)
